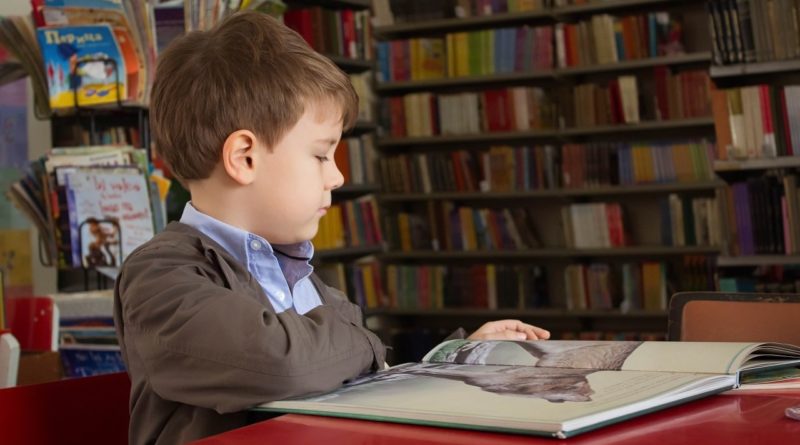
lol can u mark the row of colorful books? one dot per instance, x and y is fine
(356, 159)
(92, 205)
(763, 214)
(340, 32)
(475, 53)
(116, 135)
(745, 31)
(447, 227)
(542, 167)
(487, 286)
(362, 280)
(635, 286)
(760, 121)
(690, 221)
(352, 223)
(595, 225)
(623, 100)
(600, 40)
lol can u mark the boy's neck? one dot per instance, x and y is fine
(215, 200)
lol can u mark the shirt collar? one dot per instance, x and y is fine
(235, 240)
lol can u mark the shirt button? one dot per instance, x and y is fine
(255, 245)
(280, 296)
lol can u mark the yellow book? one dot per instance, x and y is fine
(491, 284)
(461, 42)
(450, 50)
(404, 226)
(370, 295)
(469, 237)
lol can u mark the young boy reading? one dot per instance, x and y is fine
(221, 311)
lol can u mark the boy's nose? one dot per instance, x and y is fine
(335, 178)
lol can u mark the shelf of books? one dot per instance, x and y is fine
(755, 105)
(503, 78)
(546, 159)
(408, 17)
(342, 31)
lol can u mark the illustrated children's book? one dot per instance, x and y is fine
(551, 388)
(83, 60)
(109, 214)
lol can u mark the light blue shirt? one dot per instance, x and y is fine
(283, 271)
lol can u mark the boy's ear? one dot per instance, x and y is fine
(238, 156)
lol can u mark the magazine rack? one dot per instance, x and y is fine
(81, 114)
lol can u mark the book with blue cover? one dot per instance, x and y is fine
(83, 60)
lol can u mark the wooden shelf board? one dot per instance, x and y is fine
(527, 313)
(346, 252)
(758, 164)
(758, 260)
(357, 189)
(678, 124)
(552, 74)
(547, 253)
(557, 193)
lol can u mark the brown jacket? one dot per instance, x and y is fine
(202, 343)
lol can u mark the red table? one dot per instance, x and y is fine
(742, 419)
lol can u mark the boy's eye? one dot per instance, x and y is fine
(322, 158)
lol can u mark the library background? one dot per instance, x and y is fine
(570, 163)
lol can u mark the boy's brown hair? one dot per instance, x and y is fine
(249, 72)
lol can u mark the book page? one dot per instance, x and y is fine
(716, 358)
(514, 397)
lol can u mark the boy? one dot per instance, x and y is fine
(221, 311)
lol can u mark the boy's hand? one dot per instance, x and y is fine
(509, 330)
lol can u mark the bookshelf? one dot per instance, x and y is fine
(756, 59)
(642, 201)
(347, 238)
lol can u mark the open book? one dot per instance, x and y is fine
(551, 388)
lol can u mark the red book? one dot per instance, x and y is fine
(787, 132)
(342, 159)
(349, 33)
(661, 76)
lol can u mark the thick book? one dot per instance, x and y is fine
(547, 388)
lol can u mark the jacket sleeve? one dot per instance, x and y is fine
(203, 344)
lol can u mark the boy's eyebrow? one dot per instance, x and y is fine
(329, 141)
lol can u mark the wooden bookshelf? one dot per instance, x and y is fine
(346, 253)
(362, 127)
(336, 4)
(758, 260)
(349, 191)
(350, 65)
(507, 313)
(441, 26)
(705, 123)
(644, 201)
(550, 253)
(703, 58)
(758, 164)
(750, 69)
(643, 189)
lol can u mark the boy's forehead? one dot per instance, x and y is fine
(324, 111)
